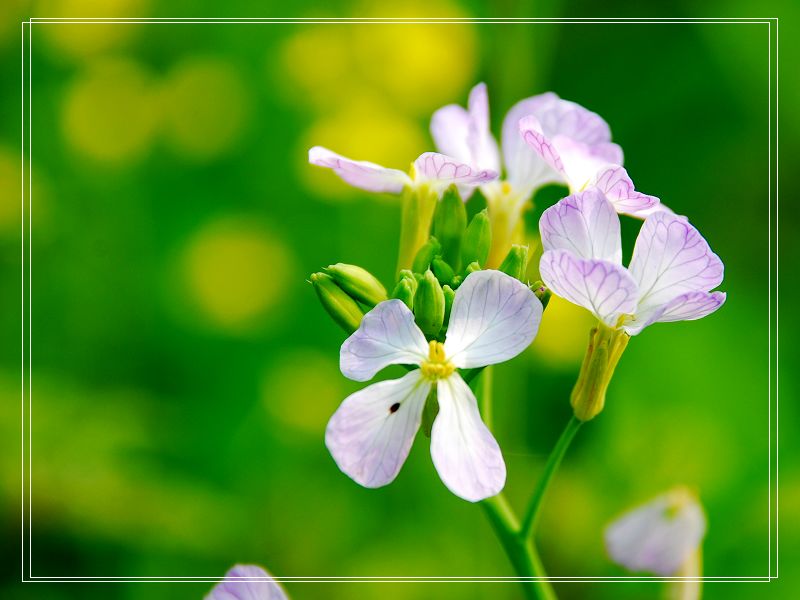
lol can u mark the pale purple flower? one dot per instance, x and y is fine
(660, 536)
(494, 318)
(431, 170)
(247, 582)
(670, 276)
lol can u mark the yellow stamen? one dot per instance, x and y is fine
(437, 366)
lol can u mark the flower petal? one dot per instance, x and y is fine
(604, 288)
(386, 336)
(494, 318)
(658, 536)
(585, 224)
(483, 146)
(449, 129)
(614, 182)
(247, 582)
(581, 162)
(671, 258)
(439, 171)
(686, 307)
(371, 433)
(360, 173)
(464, 452)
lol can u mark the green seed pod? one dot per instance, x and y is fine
(359, 283)
(542, 293)
(444, 272)
(449, 225)
(429, 305)
(422, 261)
(341, 307)
(449, 296)
(405, 290)
(516, 262)
(477, 240)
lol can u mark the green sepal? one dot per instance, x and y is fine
(430, 411)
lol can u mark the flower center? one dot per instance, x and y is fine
(437, 366)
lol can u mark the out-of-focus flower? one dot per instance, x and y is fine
(494, 317)
(660, 536)
(247, 582)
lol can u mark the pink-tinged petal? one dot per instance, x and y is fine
(659, 536)
(571, 120)
(371, 433)
(581, 162)
(464, 452)
(533, 134)
(686, 307)
(614, 182)
(440, 171)
(671, 258)
(247, 582)
(584, 224)
(360, 173)
(660, 207)
(494, 318)
(602, 287)
(450, 127)
(483, 147)
(386, 336)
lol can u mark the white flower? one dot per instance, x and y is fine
(247, 582)
(494, 318)
(660, 536)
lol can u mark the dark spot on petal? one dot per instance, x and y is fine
(393, 408)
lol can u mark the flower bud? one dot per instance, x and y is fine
(542, 292)
(444, 272)
(429, 305)
(477, 240)
(449, 224)
(472, 267)
(606, 346)
(359, 283)
(422, 261)
(449, 296)
(406, 288)
(516, 263)
(341, 307)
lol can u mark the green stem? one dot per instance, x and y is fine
(550, 468)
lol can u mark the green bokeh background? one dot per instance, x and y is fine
(183, 371)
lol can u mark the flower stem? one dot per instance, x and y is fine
(550, 468)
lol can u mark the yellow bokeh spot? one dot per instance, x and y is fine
(236, 272)
(10, 174)
(564, 333)
(302, 389)
(110, 112)
(205, 107)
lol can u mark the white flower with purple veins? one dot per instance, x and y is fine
(494, 318)
(659, 537)
(431, 170)
(247, 582)
(670, 276)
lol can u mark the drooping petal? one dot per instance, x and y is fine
(604, 288)
(614, 182)
(450, 128)
(360, 173)
(671, 258)
(686, 307)
(371, 433)
(584, 224)
(440, 171)
(658, 536)
(494, 318)
(483, 146)
(386, 336)
(464, 452)
(247, 582)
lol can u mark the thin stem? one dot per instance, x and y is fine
(550, 468)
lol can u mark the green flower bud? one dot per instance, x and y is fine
(449, 296)
(472, 267)
(359, 283)
(422, 261)
(341, 307)
(516, 262)
(444, 272)
(606, 346)
(405, 289)
(429, 305)
(542, 293)
(449, 224)
(477, 240)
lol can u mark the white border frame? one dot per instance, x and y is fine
(26, 485)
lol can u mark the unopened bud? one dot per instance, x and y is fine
(449, 225)
(359, 283)
(472, 267)
(449, 296)
(516, 262)
(406, 288)
(429, 305)
(542, 292)
(422, 261)
(444, 272)
(341, 307)
(477, 240)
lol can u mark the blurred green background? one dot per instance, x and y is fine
(184, 372)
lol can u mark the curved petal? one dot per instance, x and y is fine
(483, 146)
(386, 336)
(440, 171)
(463, 449)
(247, 582)
(371, 433)
(585, 224)
(360, 173)
(604, 288)
(686, 307)
(671, 258)
(494, 318)
(581, 162)
(449, 129)
(614, 182)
